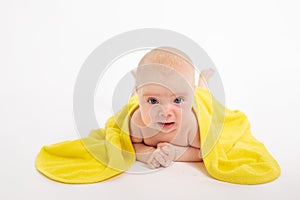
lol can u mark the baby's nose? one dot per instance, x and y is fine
(166, 111)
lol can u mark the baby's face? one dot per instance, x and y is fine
(165, 98)
(162, 109)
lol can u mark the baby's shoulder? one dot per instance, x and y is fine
(194, 132)
(136, 124)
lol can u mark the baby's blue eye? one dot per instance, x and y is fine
(152, 101)
(178, 100)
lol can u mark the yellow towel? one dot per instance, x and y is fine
(230, 152)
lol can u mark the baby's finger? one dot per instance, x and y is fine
(170, 152)
(160, 157)
(167, 159)
(166, 150)
(164, 156)
(153, 164)
(150, 165)
(162, 144)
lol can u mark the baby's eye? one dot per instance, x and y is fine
(178, 100)
(152, 101)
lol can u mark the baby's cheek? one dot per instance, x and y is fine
(145, 116)
(179, 116)
(183, 112)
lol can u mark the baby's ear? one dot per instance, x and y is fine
(133, 72)
(134, 92)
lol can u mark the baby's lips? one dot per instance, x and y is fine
(166, 122)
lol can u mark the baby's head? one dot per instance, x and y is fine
(165, 87)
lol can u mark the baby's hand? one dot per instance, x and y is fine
(173, 152)
(156, 159)
(169, 150)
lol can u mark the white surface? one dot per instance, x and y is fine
(254, 45)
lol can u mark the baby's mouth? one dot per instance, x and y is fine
(166, 124)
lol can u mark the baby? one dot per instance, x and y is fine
(164, 128)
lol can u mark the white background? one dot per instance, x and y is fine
(254, 44)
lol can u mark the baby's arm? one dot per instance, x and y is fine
(150, 155)
(191, 154)
(142, 151)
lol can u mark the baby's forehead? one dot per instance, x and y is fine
(153, 89)
(159, 79)
(164, 75)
